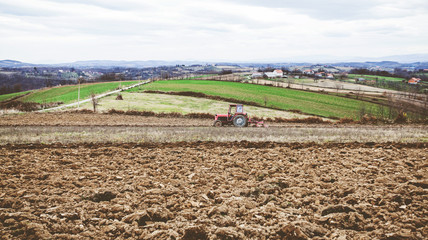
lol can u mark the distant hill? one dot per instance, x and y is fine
(126, 64)
(410, 58)
(14, 64)
(413, 60)
(101, 64)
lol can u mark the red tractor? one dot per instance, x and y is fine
(235, 116)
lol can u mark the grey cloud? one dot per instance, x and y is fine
(106, 28)
(325, 10)
(122, 5)
(209, 29)
(337, 34)
(382, 30)
(9, 9)
(207, 18)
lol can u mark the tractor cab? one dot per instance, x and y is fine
(234, 109)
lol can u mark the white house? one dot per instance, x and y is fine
(278, 73)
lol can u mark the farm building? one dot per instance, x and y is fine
(275, 74)
(270, 75)
(257, 75)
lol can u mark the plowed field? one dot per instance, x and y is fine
(84, 119)
(214, 191)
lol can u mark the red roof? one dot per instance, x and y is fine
(414, 80)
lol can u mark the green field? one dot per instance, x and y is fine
(6, 97)
(374, 77)
(68, 94)
(285, 99)
(203, 76)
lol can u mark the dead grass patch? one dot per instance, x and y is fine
(27, 106)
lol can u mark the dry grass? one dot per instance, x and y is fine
(181, 104)
(116, 134)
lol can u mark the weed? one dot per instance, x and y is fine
(345, 120)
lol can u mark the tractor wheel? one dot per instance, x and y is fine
(217, 123)
(240, 121)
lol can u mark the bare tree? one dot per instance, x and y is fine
(343, 76)
(358, 93)
(426, 101)
(94, 101)
(289, 82)
(337, 86)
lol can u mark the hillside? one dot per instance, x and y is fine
(68, 94)
(280, 98)
(6, 97)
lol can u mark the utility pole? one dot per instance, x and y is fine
(78, 95)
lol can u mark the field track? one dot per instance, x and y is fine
(49, 128)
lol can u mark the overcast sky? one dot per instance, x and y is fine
(53, 31)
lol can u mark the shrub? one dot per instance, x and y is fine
(82, 111)
(114, 111)
(310, 120)
(22, 106)
(200, 115)
(119, 97)
(401, 117)
(346, 120)
(368, 120)
(295, 111)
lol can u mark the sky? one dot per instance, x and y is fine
(58, 31)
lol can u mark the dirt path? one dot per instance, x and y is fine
(161, 134)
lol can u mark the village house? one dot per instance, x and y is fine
(414, 80)
(308, 72)
(278, 73)
(329, 76)
(319, 74)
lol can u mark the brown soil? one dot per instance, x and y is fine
(214, 191)
(129, 118)
(91, 119)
